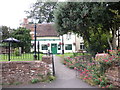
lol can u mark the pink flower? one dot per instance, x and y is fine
(118, 49)
(87, 70)
(79, 70)
(107, 86)
(81, 74)
(110, 58)
(106, 60)
(89, 78)
(110, 50)
(75, 68)
(68, 57)
(84, 78)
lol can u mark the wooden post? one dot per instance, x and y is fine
(53, 65)
(38, 51)
(9, 53)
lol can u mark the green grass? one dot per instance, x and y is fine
(23, 57)
(71, 54)
(65, 54)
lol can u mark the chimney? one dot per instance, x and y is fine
(25, 21)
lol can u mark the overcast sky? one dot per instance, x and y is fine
(12, 11)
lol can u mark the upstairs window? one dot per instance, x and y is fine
(68, 36)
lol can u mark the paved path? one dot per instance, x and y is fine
(66, 78)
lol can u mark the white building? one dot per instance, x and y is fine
(49, 39)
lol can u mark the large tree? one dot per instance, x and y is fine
(5, 32)
(42, 11)
(24, 36)
(85, 18)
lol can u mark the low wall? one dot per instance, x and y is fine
(113, 74)
(47, 59)
(23, 71)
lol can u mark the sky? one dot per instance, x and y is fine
(12, 12)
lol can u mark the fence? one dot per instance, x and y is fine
(24, 56)
(15, 55)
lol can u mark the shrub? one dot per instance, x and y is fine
(93, 71)
(51, 78)
(34, 80)
(16, 52)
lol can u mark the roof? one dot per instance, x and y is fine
(44, 30)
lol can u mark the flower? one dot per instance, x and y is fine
(84, 78)
(106, 60)
(83, 72)
(75, 68)
(89, 78)
(118, 50)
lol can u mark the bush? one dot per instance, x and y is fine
(93, 70)
(34, 80)
(51, 78)
(16, 52)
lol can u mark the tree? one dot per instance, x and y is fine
(5, 32)
(24, 36)
(79, 17)
(43, 11)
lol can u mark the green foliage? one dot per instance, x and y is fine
(43, 10)
(93, 21)
(24, 36)
(93, 72)
(16, 52)
(34, 81)
(17, 83)
(5, 32)
(51, 78)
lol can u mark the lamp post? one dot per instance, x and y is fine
(62, 44)
(35, 56)
(119, 38)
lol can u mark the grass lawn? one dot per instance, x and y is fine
(71, 54)
(65, 54)
(23, 57)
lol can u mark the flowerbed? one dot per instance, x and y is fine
(93, 70)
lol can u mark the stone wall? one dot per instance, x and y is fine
(22, 71)
(113, 74)
(47, 59)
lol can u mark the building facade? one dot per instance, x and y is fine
(50, 40)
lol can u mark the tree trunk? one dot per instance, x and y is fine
(110, 45)
(114, 39)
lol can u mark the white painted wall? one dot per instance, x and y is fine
(67, 40)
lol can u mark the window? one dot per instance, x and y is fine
(59, 47)
(68, 47)
(68, 36)
(44, 47)
(82, 46)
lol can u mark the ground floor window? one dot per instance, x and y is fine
(44, 47)
(68, 47)
(82, 46)
(59, 47)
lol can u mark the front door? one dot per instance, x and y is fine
(54, 48)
